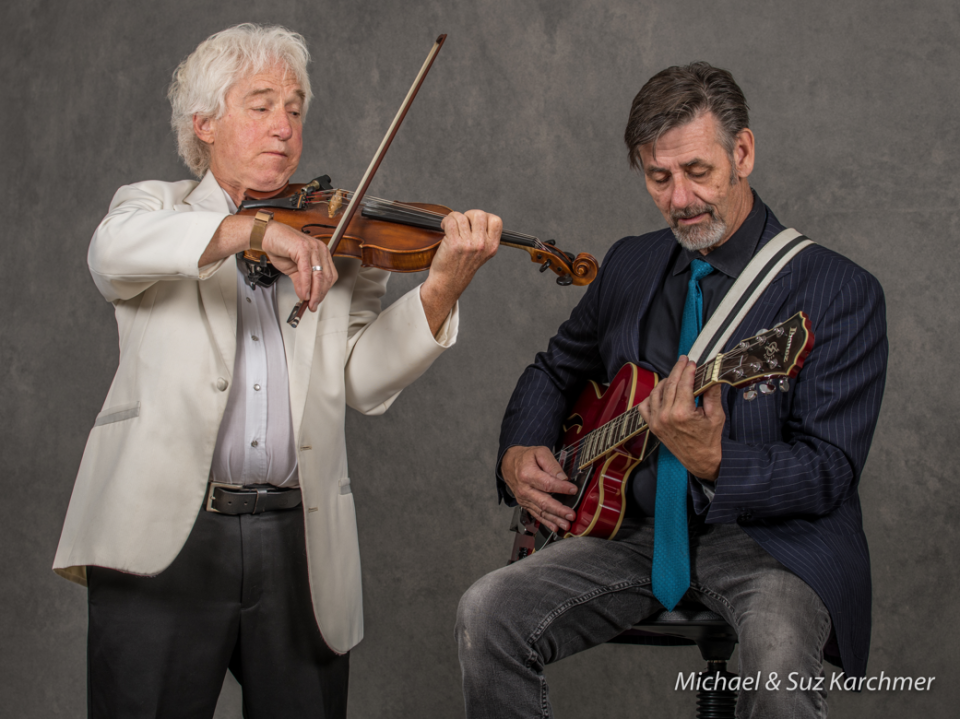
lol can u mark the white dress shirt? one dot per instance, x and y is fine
(255, 442)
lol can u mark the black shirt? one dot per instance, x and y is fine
(660, 326)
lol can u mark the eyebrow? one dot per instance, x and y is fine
(270, 91)
(695, 162)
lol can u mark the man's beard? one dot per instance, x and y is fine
(700, 236)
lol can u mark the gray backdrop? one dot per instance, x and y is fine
(854, 106)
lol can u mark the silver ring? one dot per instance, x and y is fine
(317, 268)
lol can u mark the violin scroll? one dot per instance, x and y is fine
(580, 270)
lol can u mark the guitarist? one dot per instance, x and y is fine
(766, 490)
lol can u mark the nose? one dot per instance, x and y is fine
(681, 194)
(282, 127)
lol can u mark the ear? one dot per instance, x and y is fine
(205, 128)
(743, 153)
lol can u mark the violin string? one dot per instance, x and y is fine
(411, 212)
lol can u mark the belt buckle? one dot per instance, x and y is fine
(212, 486)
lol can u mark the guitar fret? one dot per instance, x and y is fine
(703, 372)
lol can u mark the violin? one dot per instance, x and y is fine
(392, 236)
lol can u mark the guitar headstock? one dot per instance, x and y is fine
(772, 355)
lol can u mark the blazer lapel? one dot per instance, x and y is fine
(298, 343)
(219, 291)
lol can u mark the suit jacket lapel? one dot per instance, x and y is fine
(219, 291)
(647, 281)
(762, 315)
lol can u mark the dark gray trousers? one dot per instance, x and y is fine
(237, 596)
(581, 592)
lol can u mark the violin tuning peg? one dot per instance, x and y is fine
(550, 242)
(767, 387)
(545, 266)
(750, 393)
(564, 280)
(784, 384)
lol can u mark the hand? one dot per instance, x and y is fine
(469, 240)
(692, 433)
(295, 254)
(533, 475)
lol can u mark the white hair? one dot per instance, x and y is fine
(200, 83)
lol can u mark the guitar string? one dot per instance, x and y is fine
(615, 425)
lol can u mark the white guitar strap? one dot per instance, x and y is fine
(745, 291)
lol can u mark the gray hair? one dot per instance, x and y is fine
(200, 83)
(677, 95)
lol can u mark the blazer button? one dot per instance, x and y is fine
(222, 384)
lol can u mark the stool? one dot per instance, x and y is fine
(688, 624)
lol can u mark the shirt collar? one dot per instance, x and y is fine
(233, 207)
(733, 255)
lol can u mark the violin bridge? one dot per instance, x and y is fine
(336, 202)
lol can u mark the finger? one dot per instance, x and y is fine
(543, 484)
(712, 404)
(534, 488)
(653, 402)
(546, 503)
(451, 225)
(537, 515)
(548, 463)
(685, 384)
(555, 513)
(478, 225)
(316, 280)
(645, 407)
(668, 387)
(303, 280)
(463, 225)
(494, 230)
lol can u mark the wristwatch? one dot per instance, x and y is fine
(259, 228)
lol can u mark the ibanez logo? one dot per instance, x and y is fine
(786, 352)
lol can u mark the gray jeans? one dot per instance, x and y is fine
(581, 592)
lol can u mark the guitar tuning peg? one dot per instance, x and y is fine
(750, 392)
(784, 384)
(767, 387)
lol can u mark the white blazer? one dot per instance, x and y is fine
(145, 468)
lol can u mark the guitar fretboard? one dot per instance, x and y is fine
(607, 437)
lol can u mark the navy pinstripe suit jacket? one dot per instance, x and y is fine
(791, 461)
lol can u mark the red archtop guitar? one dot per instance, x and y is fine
(605, 437)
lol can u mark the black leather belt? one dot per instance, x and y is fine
(233, 499)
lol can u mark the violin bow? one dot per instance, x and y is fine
(298, 309)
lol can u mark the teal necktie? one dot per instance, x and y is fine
(671, 549)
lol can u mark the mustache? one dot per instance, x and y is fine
(687, 212)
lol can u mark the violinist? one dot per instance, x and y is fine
(212, 518)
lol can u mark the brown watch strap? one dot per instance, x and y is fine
(259, 229)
